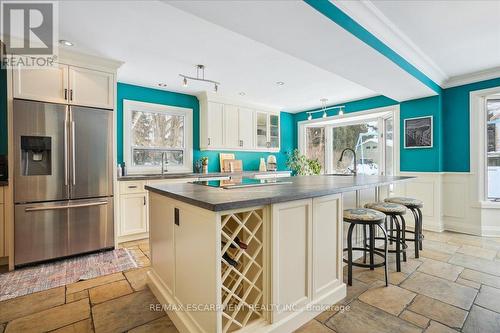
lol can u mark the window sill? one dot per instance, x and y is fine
(488, 204)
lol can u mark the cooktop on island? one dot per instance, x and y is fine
(239, 182)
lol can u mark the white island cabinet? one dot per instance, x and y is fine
(250, 259)
(289, 272)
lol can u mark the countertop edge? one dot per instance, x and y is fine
(268, 201)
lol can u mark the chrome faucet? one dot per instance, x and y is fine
(354, 155)
(164, 163)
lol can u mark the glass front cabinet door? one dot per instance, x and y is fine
(268, 130)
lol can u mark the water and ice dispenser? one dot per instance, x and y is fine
(36, 155)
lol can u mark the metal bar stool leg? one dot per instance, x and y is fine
(391, 231)
(398, 243)
(420, 232)
(349, 254)
(372, 246)
(416, 232)
(364, 243)
(403, 232)
(386, 254)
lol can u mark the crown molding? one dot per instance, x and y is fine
(372, 19)
(460, 80)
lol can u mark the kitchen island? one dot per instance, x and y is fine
(250, 258)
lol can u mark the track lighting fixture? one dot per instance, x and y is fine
(200, 76)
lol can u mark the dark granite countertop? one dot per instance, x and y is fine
(199, 175)
(303, 187)
(4, 182)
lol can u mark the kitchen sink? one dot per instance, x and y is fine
(341, 174)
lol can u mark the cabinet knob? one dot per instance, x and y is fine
(209, 141)
(241, 143)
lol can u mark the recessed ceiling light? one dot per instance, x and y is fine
(242, 93)
(280, 83)
(161, 84)
(64, 42)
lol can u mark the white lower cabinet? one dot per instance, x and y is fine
(133, 207)
(306, 253)
(134, 214)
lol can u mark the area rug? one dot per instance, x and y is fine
(31, 279)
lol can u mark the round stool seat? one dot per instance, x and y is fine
(363, 215)
(387, 207)
(408, 202)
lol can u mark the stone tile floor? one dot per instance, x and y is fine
(117, 302)
(454, 286)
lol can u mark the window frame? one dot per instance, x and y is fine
(128, 107)
(378, 114)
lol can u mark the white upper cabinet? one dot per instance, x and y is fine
(227, 126)
(215, 117)
(231, 127)
(65, 84)
(46, 85)
(91, 88)
(245, 128)
(267, 130)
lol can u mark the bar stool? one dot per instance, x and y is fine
(414, 205)
(370, 218)
(393, 212)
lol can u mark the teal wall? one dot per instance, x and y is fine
(418, 160)
(456, 103)
(422, 159)
(250, 159)
(3, 111)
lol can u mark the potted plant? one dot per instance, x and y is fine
(301, 165)
(204, 164)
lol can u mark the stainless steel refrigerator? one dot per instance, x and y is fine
(63, 183)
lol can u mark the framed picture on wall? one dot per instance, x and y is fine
(418, 132)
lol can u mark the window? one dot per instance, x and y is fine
(370, 135)
(493, 148)
(151, 130)
(316, 144)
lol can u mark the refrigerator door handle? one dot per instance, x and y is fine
(73, 151)
(88, 204)
(66, 147)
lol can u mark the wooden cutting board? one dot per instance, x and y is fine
(237, 165)
(222, 157)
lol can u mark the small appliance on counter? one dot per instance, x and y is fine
(271, 163)
(3, 168)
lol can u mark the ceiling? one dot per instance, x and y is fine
(157, 42)
(446, 38)
(250, 45)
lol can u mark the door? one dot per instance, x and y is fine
(91, 152)
(40, 151)
(232, 137)
(40, 232)
(245, 124)
(261, 129)
(215, 121)
(91, 88)
(90, 225)
(47, 85)
(133, 210)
